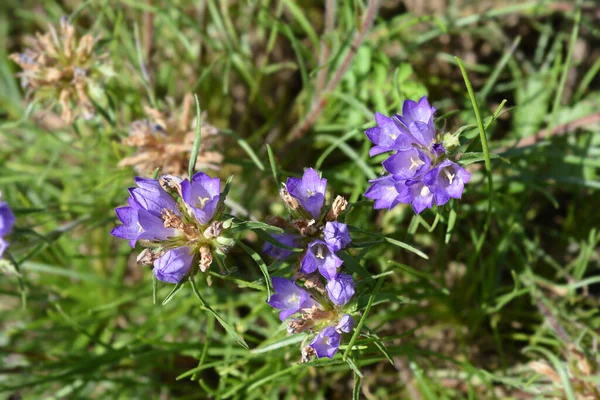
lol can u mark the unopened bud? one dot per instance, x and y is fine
(450, 141)
(338, 206)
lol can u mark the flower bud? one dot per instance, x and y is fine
(450, 141)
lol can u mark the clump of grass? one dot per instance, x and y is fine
(492, 296)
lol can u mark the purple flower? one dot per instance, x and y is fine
(320, 256)
(7, 220)
(420, 195)
(407, 164)
(142, 219)
(327, 342)
(309, 191)
(173, 265)
(336, 235)
(417, 118)
(346, 324)
(340, 289)
(202, 195)
(446, 181)
(289, 297)
(279, 253)
(387, 192)
(388, 135)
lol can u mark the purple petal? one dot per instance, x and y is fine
(327, 342)
(309, 191)
(172, 266)
(384, 192)
(278, 252)
(407, 164)
(422, 197)
(202, 195)
(7, 219)
(288, 297)
(3, 246)
(340, 289)
(346, 324)
(336, 235)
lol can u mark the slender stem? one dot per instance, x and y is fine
(565, 72)
(319, 104)
(330, 8)
(363, 318)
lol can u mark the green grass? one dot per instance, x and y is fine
(455, 302)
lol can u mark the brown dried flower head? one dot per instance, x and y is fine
(59, 67)
(165, 140)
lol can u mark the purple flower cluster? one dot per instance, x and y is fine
(318, 232)
(316, 312)
(320, 304)
(7, 220)
(177, 221)
(419, 171)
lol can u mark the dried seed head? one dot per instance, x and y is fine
(172, 220)
(313, 281)
(315, 313)
(306, 227)
(289, 201)
(544, 369)
(165, 138)
(58, 66)
(206, 258)
(338, 206)
(308, 353)
(171, 182)
(147, 257)
(214, 230)
(298, 325)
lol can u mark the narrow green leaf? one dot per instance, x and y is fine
(172, 293)
(273, 166)
(224, 324)
(362, 319)
(246, 147)
(196, 146)
(261, 264)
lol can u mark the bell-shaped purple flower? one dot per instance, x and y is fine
(387, 192)
(201, 195)
(407, 164)
(172, 266)
(388, 135)
(446, 181)
(309, 191)
(289, 297)
(340, 289)
(346, 324)
(320, 256)
(417, 117)
(142, 219)
(420, 195)
(280, 253)
(336, 235)
(7, 220)
(327, 342)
